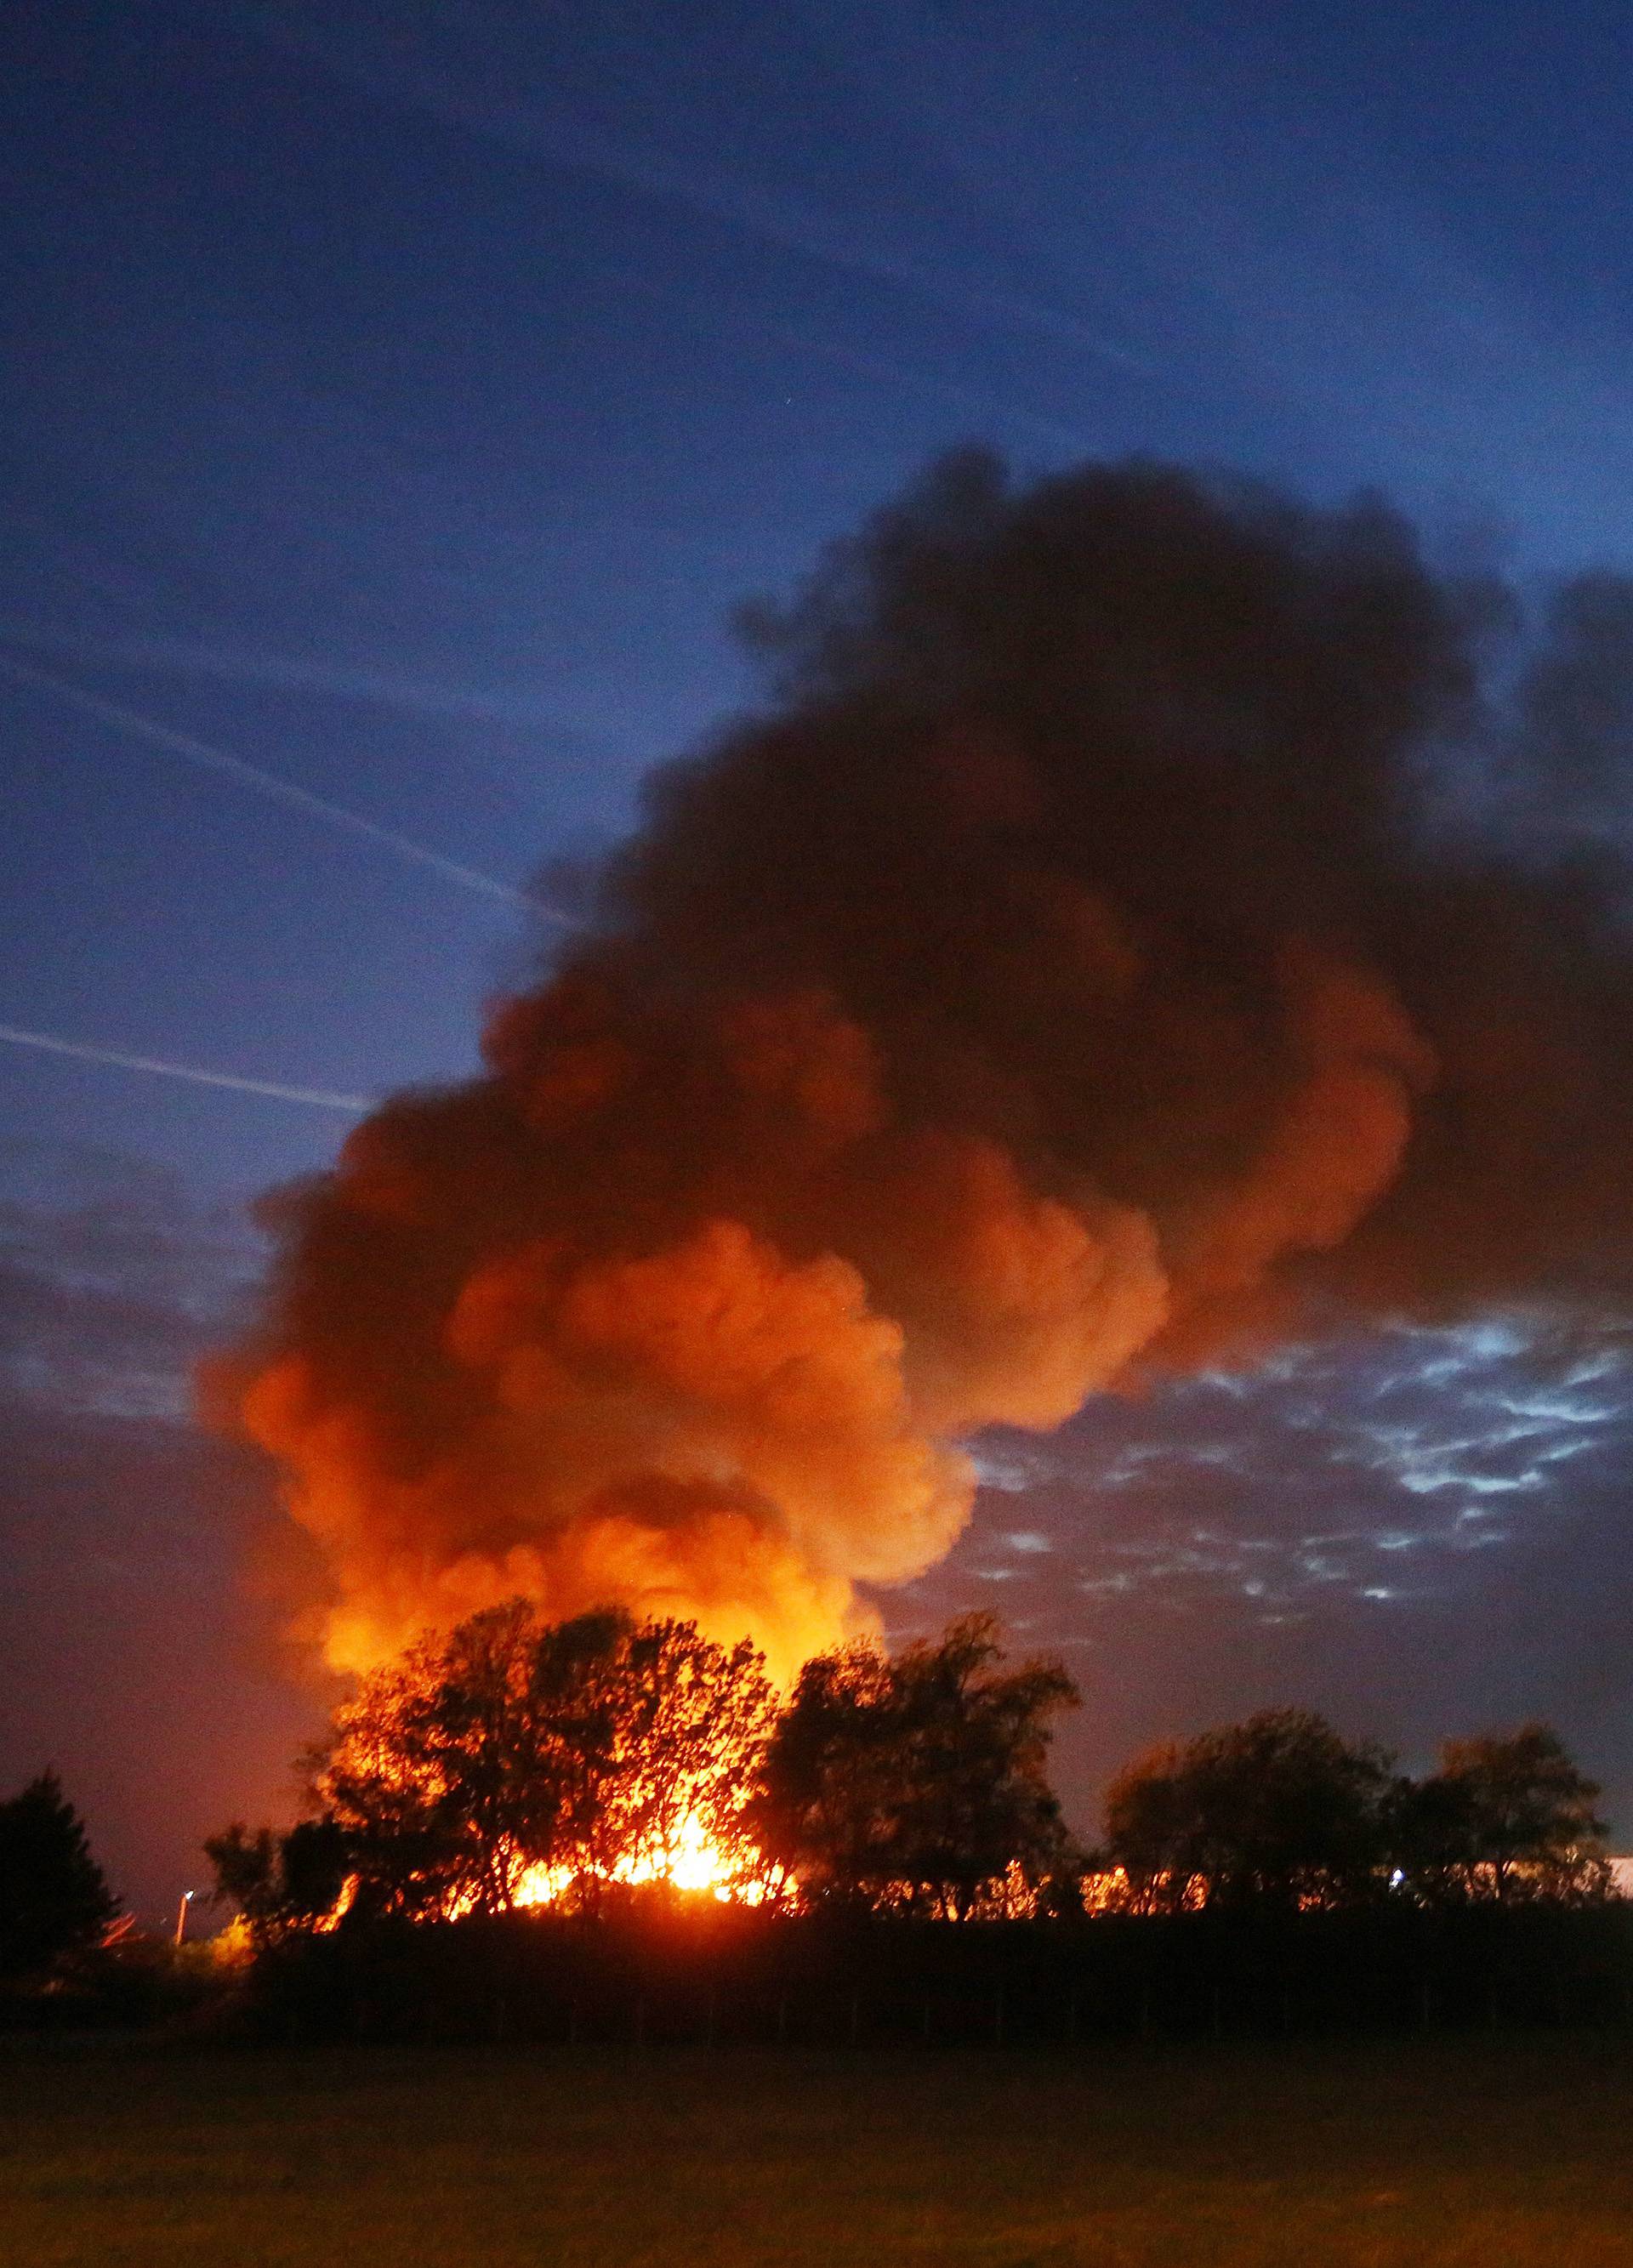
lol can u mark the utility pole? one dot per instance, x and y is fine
(186, 1900)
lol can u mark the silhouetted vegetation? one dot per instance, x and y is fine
(1507, 1816)
(519, 1762)
(654, 1970)
(700, 1860)
(280, 1881)
(515, 1748)
(55, 1902)
(1281, 1811)
(914, 1782)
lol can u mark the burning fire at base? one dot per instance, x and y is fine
(689, 1863)
(519, 1764)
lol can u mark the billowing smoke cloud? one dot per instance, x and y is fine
(1070, 967)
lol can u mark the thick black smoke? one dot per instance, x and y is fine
(1070, 969)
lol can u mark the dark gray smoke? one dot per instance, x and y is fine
(1058, 975)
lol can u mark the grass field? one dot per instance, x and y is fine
(1498, 2153)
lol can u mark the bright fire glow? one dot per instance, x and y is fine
(687, 1860)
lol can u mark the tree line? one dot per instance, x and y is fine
(1281, 1810)
(517, 1762)
(588, 1757)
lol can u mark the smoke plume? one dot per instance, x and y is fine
(1126, 920)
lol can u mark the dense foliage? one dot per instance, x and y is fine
(280, 1881)
(54, 1899)
(518, 1763)
(1507, 1816)
(515, 1749)
(916, 1781)
(1281, 1810)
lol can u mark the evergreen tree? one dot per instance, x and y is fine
(54, 1899)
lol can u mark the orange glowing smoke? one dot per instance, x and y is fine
(1054, 979)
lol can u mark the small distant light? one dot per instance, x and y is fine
(1397, 1878)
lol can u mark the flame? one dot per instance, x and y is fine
(687, 1859)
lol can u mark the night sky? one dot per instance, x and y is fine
(399, 401)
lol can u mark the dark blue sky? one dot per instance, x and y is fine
(398, 401)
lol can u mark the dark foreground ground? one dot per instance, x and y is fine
(1495, 2153)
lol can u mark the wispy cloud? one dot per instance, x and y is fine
(383, 688)
(462, 86)
(114, 1284)
(1304, 1487)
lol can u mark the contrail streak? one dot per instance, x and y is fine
(281, 791)
(354, 1105)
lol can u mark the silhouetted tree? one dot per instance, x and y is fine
(280, 1881)
(1276, 1811)
(53, 1898)
(1427, 1833)
(916, 1780)
(834, 1779)
(457, 1767)
(1507, 1816)
(514, 1744)
(687, 1722)
(1152, 1832)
